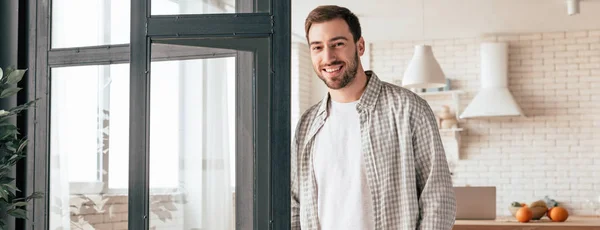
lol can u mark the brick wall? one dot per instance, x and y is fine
(555, 151)
(109, 212)
(102, 212)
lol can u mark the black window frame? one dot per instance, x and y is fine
(271, 20)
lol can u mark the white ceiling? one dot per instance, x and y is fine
(385, 20)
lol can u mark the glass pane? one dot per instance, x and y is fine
(89, 146)
(78, 23)
(169, 7)
(192, 144)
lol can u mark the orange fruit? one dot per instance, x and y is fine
(558, 214)
(524, 214)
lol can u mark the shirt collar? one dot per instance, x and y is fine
(367, 100)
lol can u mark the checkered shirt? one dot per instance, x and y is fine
(406, 166)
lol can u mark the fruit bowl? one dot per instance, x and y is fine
(538, 212)
(513, 210)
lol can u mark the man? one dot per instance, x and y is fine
(369, 155)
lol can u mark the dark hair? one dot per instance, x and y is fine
(329, 12)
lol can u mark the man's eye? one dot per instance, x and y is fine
(316, 48)
(339, 44)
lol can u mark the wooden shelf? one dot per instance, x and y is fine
(449, 92)
(455, 99)
(451, 130)
(452, 148)
(510, 223)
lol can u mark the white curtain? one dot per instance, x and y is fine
(208, 138)
(75, 139)
(208, 132)
(206, 155)
(59, 173)
(217, 155)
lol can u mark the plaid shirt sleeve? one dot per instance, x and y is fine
(295, 178)
(295, 199)
(437, 205)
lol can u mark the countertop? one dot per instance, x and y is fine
(510, 223)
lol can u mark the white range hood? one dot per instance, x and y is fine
(494, 99)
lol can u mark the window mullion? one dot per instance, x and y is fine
(117, 54)
(139, 112)
(211, 25)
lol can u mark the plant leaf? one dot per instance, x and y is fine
(18, 109)
(20, 204)
(3, 194)
(14, 158)
(1, 76)
(18, 213)
(11, 186)
(4, 167)
(170, 207)
(162, 215)
(15, 76)
(22, 146)
(7, 72)
(6, 180)
(36, 195)
(9, 92)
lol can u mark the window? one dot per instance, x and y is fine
(192, 143)
(89, 127)
(166, 7)
(193, 128)
(77, 23)
(192, 137)
(89, 145)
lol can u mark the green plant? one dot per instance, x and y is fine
(12, 150)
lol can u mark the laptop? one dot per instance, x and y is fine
(475, 203)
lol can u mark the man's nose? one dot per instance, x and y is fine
(329, 55)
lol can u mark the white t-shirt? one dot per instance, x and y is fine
(344, 197)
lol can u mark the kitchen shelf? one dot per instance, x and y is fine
(451, 130)
(455, 98)
(448, 92)
(452, 148)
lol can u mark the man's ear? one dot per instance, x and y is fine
(360, 45)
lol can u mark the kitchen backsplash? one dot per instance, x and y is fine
(555, 150)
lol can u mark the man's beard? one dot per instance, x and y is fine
(347, 77)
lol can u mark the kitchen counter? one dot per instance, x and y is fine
(510, 223)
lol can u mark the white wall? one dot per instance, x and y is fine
(319, 89)
(304, 82)
(391, 20)
(555, 77)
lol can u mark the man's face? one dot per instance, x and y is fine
(334, 53)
